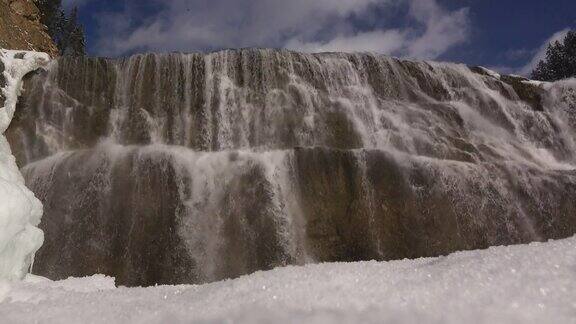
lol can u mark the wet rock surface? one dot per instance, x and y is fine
(2, 83)
(193, 168)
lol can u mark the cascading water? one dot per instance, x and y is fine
(188, 168)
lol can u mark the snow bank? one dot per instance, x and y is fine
(533, 283)
(20, 211)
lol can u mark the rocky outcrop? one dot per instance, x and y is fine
(2, 83)
(20, 28)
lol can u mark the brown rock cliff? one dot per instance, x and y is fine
(20, 27)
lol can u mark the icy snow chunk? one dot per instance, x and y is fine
(20, 211)
(85, 285)
(534, 83)
(34, 289)
(490, 72)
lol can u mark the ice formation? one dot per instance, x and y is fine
(526, 284)
(20, 211)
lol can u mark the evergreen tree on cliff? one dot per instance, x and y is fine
(75, 43)
(66, 31)
(51, 15)
(560, 62)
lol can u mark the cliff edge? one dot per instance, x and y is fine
(20, 28)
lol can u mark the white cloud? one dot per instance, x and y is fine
(441, 30)
(540, 54)
(73, 3)
(318, 25)
(386, 42)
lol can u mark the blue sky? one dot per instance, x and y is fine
(507, 35)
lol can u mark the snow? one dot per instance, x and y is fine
(20, 211)
(491, 73)
(536, 83)
(533, 283)
(568, 83)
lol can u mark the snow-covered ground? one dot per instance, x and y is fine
(533, 283)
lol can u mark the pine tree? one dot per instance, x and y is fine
(59, 35)
(560, 62)
(66, 31)
(50, 15)
(75, 42)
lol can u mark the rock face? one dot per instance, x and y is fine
(2, 83)
(193, 168)
(20, 28)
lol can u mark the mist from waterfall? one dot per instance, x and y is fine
(189, 168)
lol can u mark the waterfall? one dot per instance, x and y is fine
(190, 168)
